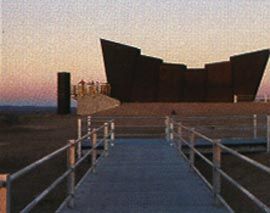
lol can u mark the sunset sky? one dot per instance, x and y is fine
(42, 37)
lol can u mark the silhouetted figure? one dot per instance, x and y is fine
(173, 112)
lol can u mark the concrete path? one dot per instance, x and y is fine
(143, 176)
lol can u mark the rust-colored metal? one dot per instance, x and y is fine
(171, 82)
(247, 72)
(4, 194)
(137, 78)
(120, 64)
(145, 80)
(195, 85)
(219, 82)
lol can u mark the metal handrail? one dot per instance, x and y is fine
(88, 134)
(216, 117)
(245, 191)
(68, 172)
(255, 127)
(141, 126)
(37, 163)
(231, 151)
(258, 165)
(195, 150)
(78, 184)
(129, 117)
(246, 159)
(43, 194)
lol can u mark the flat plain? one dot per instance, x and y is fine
(26, 137)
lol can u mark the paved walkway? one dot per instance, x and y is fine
(143, 176)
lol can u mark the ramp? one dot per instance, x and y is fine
(143, 175)
(89, 104)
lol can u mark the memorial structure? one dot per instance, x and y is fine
(63, 93)
(138, 78)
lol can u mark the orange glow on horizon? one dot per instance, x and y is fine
(41, 38)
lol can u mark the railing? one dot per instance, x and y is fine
(187, 136)
(182, 136)
(90, 89)
(230, 126)
(133, 126)
(247, 98)
(6, 180)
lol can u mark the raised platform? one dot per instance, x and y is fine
(241, 145)
(90, 104)
(143, 176)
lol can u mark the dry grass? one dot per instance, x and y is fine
(26, 138)
(189, 109)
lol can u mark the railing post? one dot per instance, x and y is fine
(167, 121)
(71, 176)
(265, 98)
(89, 126)
(112, 133)
(254, 126)
(106, 145)
(235, 99)
(180, 137)
(268, 133)
(171, 132)
(192, 143)
(79, 147)
(5, 193)
(94, 152)
(216, 166)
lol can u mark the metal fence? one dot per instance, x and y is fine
(247, 98)
(128, 126)
(83, 89)
(73, 162)
(132, 126)
(229, 126)
(183, 135)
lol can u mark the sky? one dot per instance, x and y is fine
(42, 37)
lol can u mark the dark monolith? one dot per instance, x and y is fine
(63, 93)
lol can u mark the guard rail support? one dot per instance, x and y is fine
(79, 146)
(216, 166)
(88, 126)
(112, 133)
(235, 99)
(180, 137)
(192, 143)
(254, 126)
(167, 123)
(71, 177)
(106, 145)
(94, 153)
(268, 133)
(171, 126)
(5, 193)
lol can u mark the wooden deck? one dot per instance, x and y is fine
(143, 176)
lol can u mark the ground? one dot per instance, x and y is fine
(24, 138)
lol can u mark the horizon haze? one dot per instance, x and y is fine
(41, 37)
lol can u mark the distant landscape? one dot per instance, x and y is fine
(28, 133)
(29, 109)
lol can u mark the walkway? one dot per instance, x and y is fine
(143, 176)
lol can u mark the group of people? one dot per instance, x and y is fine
(90, 88)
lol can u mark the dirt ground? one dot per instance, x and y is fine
(25, 138)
